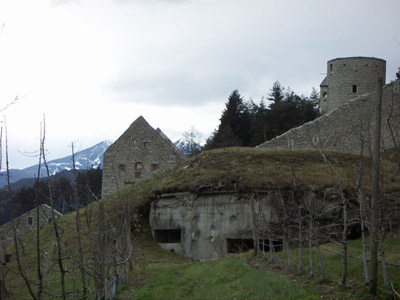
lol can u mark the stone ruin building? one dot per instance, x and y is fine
(138, 153)
(347, 102)
(24, 224)
(211, 225)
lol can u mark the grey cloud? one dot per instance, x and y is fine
(177, 90)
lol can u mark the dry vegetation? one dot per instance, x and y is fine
(247, 169)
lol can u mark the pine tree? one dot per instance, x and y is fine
(277, 93)
(314, 97)
(235, 125)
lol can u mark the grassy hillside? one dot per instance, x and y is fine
(256, 168)
(162, 275)
(241, 169)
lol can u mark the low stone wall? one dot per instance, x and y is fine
(349, 127)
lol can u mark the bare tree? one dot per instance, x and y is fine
(376, 149)
(192, 140)
(78, 232)
(345, 221)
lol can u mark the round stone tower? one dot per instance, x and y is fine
(349, 77)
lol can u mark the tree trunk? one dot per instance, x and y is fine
(363, 230)
(383, 260)
(78, 232)
(375, 189)
(286, 245)
(344, 245)
(300, 242)
(310, 249)
(255, 228)
(321, 261)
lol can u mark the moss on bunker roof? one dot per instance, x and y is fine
(257, 169)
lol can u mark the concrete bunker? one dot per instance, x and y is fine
(213, 224)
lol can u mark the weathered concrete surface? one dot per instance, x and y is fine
(208, 220)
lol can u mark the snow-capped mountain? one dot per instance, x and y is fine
(187, 148)
(88, 158)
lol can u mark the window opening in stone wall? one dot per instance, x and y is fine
(315, 139)
(122, 167)
(354, 88)
(239, 245)
(290, 144)
(325, 95)
(154, 167)
(138, 166)
(146, 145)
(331, 66)
(30, 220)
(167, 235)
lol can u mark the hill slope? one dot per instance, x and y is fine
(239, 169)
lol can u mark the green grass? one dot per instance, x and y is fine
(227, 279)
(168, 276)
(354, 288)
(164, 275)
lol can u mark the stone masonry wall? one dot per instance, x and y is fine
(345, 127)
(27, 222)
(138, 153)
(349, 77)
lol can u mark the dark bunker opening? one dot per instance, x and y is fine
(167, 235)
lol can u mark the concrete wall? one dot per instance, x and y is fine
(138, 153)
(349, 77)
(345, 127)
(207, 220)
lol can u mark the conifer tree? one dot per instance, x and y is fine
(234, 127)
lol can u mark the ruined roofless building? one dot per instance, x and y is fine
(138, 153)
(348, 78)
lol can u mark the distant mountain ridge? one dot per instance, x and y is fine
(88, 158)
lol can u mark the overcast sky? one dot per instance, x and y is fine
(93, 67)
